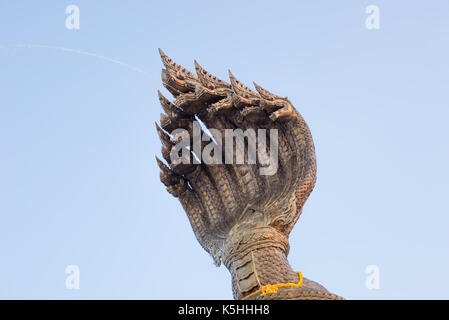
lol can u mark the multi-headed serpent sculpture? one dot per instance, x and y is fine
(239, 216)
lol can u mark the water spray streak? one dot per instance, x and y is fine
(38, 46)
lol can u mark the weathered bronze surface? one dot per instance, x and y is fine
(240, 217)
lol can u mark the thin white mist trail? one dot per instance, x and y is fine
(82, 52)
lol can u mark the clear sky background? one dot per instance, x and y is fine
(79, 184)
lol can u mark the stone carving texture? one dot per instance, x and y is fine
(240, 217)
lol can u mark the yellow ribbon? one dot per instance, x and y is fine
(270, 289)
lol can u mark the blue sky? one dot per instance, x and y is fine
(78, 180)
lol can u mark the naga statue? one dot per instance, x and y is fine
(241, 217)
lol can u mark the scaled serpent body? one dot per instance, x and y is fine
(240, 216)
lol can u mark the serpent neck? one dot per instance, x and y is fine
(255, 258)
